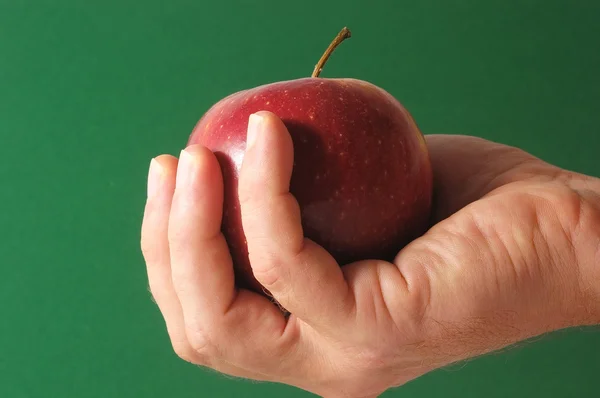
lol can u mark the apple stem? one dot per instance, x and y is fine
(343, 35)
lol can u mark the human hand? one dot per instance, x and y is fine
(509, 258)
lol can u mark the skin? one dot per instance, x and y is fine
(515, 253)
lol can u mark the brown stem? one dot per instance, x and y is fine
(343, 35)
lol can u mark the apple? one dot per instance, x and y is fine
(362, 174)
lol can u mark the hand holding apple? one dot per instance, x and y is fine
(503, 265)
(319, 192)
(361, 175)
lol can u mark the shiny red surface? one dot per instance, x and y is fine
(362, 174)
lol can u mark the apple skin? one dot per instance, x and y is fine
(362, 173)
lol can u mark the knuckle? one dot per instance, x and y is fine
(150, 250)
(203, 343)
(244, 194)
(184, 351)
(180, 236)
(178, 240)
(415, 295)
(268, 272)
(274, 266)
(247, 190)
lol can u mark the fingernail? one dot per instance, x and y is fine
(185, 168)
(154, 177)
(254, 125)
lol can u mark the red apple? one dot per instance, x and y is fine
(362, 174)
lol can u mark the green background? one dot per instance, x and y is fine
(91, 90)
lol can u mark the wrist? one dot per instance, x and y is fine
(585, 236)
(549, 280)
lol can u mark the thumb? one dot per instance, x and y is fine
(302, 276)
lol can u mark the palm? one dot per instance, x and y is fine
(457, 277)
(474, 267)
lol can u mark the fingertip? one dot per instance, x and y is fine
(192, 156)
(270, 121)
(163, 165)
(262, 122)
(198, 166)
(197, 150)
(201, 154)
(269, 149)
(265, 115)
(166, 160)
(161, 168)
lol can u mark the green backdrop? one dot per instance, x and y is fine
(91, 90)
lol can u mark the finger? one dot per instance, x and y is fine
(202, 269)
(301, 275)
(155, 248)
(231, 328)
